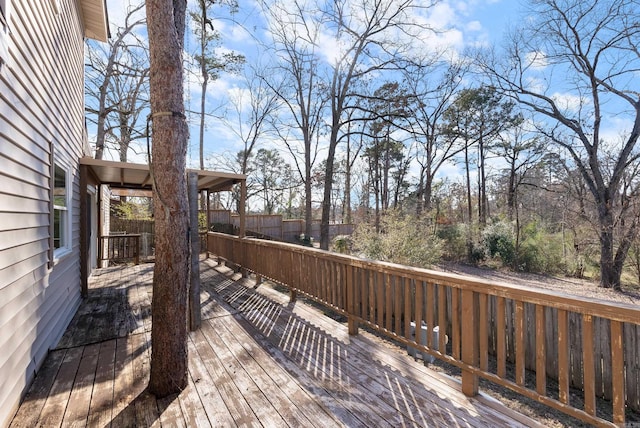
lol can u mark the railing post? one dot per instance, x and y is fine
(469, 351)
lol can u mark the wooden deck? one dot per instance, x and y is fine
(258, 360)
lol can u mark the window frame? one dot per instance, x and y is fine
(5, 12)
(65, 217)
(4, 15)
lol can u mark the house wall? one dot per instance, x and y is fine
(41, 109)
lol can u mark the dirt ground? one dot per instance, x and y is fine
(571, 286)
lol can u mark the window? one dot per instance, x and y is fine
(4, 30)
(3, 13)
(61, 211)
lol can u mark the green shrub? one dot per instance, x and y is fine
(402, 239)
(540, 251)
(454, 241)
(342, 244)
(499, 241)
(477, 253)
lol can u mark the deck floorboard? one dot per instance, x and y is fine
(258, 360)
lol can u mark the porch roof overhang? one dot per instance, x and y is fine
(126, 175)
(96, 22)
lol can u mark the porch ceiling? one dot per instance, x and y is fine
(137, 176)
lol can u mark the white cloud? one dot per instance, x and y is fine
(117, 11)
(474, 26)
(537, 60)
(568, 102)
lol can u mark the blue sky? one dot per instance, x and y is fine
(468, 23)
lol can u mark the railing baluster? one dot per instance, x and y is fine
(379, 284)
(430, 317)
(418, 314)
(483, 335)
(563, 356)
(455, 323)
(501, 345)
(442, 316)
(588, 365)
(371, 283)
(408, 300)
(389, 298)
(519, 342)
(398, 296)
(541, 351)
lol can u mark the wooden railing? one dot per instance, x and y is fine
(493, 331)
(120, 247)
(203, 241)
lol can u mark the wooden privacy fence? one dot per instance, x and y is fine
(131, 226)
(590, 345)
(275, 226)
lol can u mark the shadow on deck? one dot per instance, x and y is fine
(258, 360)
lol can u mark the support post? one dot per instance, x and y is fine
(84, 233)
(206, 241)
(243, 200)
(195, 318)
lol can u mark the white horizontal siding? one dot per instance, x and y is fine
(41, 106)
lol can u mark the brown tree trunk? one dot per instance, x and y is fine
(166, 21)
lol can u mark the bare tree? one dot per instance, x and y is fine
(254, 108)
(296, 38)
(434, 95)
(353, 147)
(371, 36)
(476, 118)
(209, 63)
(522, 153)
(169, 359)
(575, 63)
(107, 66)
(273, 178)
(129, 96)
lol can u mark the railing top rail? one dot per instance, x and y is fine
(126, 235)
(585, 305)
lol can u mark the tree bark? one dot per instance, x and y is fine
(328, 186)
(308, 191)
(169, 359)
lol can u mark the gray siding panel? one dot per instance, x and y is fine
(41, 106)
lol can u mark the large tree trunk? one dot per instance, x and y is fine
(483, 203)
(328, 186)
(511, 193)
(469, 205)
(347, 185)
(166, 20)
(612, 261)
(308, 214)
